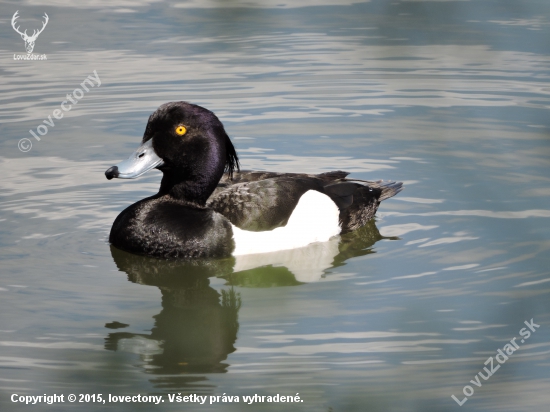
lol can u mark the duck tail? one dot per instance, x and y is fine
(389, 189)
(365, 201)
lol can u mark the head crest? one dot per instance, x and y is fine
(231, 158)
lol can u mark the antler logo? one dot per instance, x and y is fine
(29, 40)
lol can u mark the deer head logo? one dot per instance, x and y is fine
(29, 40)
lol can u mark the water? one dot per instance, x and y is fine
(450, 97)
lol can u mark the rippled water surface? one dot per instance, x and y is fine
(450, 97)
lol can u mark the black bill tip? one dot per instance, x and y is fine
(111, 172)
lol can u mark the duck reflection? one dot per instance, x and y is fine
(197, 327)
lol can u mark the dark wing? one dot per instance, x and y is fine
(262, 204)
(257, 200)
(255, 176)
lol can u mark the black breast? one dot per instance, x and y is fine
(166, 228)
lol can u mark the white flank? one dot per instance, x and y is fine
(315, 219)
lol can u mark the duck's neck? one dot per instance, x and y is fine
(191, 187)
(195, 177)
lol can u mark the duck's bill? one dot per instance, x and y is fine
(140, 162)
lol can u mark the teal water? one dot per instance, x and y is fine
(450, 97)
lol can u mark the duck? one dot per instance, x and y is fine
(207, 207)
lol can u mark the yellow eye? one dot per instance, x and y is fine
(180, 130)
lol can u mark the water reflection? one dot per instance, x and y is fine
(197, 327)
